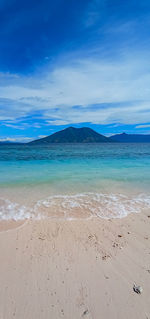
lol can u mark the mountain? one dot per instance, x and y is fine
(74, 135)
(131, 138)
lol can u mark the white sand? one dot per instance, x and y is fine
(75, 269)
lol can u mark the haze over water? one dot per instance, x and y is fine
(71, 181)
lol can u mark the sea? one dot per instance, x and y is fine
(72, 181)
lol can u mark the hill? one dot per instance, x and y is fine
(74, 135)
(131, 138)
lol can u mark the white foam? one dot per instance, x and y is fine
(10, 210)
(83, 206)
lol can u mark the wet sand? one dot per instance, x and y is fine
(75, 269)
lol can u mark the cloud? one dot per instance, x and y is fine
(59, 122)
(18, 127)
(20, 139)
(125, 114)
(84, 90)
(143, 126)
(42, 136)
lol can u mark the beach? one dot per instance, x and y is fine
(74, 231)
(75, 269)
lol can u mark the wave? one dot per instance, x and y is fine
(84, 206)
(10, 210)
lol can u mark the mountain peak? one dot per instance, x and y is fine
(77, 128)
(70, 128)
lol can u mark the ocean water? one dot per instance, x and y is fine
(74, 181)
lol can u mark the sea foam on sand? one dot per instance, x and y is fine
(86, 205)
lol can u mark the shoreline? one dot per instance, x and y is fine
(76, 269)
(74, 206)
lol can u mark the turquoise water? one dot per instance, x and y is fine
(75, 174)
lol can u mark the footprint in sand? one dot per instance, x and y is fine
(86, 314)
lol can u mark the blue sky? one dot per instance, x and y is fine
(79, 63)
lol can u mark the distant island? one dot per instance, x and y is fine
(85, 135)
(74, 135)
(131, 138)
(88, 135)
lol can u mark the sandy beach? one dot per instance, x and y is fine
(75, 269)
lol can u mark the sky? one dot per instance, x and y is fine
(74, 63)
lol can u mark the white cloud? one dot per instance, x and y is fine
(122, 85)
(42, 136)
(59, 122)
(20, 139)
(18, 127)
(130, 114)
(143, 126)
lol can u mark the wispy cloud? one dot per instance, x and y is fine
(18, 127)
(86, 90)
(42, 136)
(20, 139)
(143, 126)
